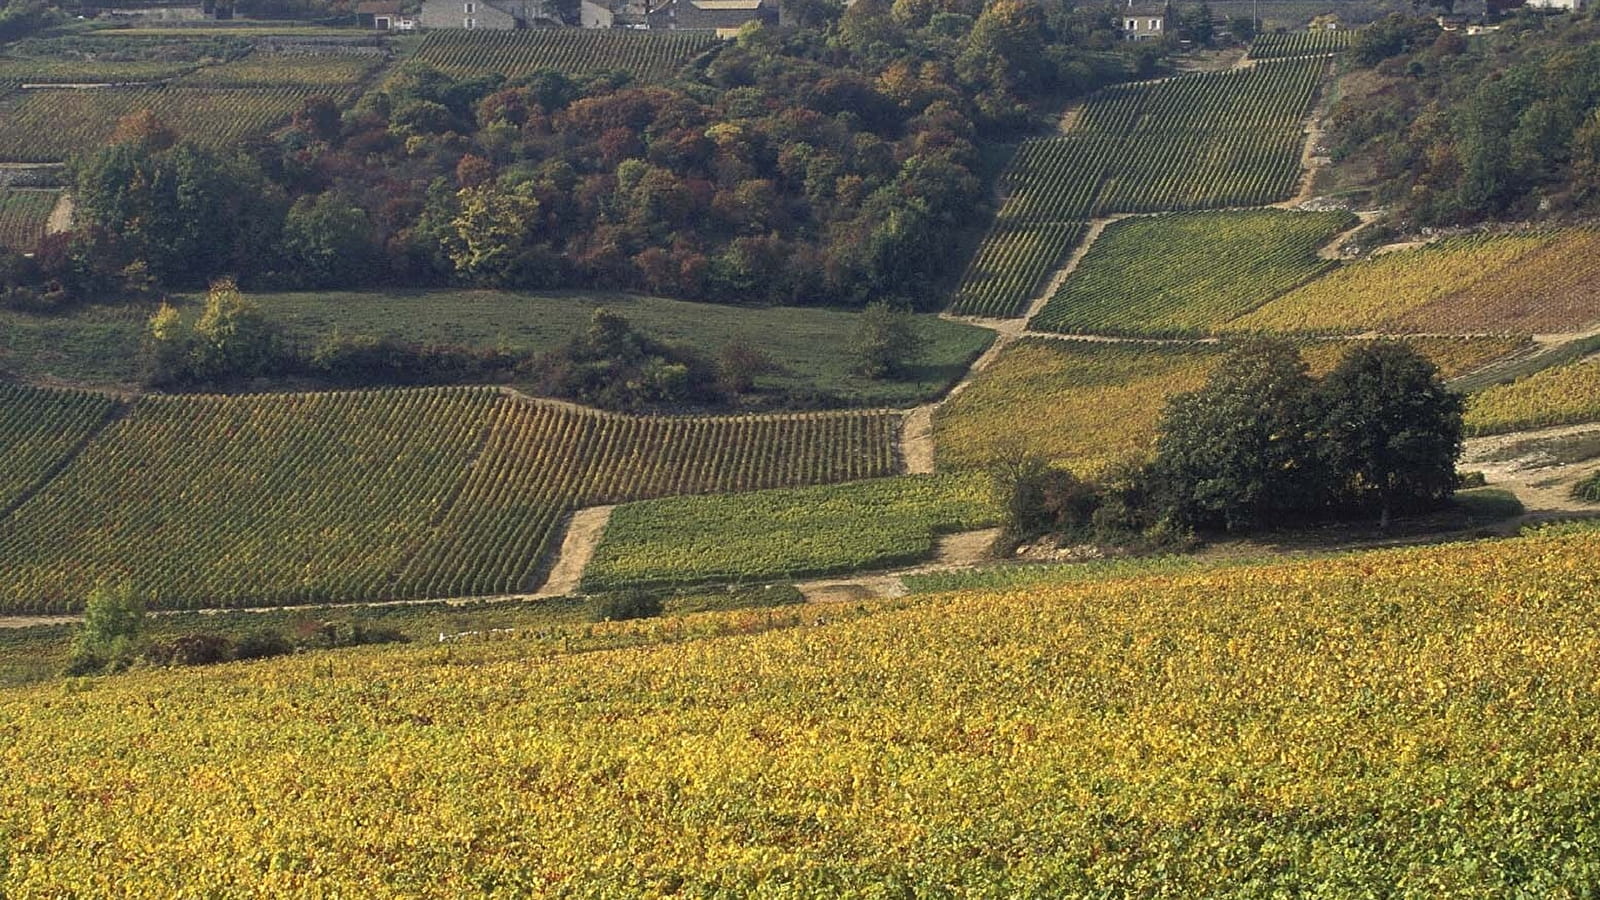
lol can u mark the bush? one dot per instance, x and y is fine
(191, 650)
(113, 622)
(332, 634)
(261, 644)
(630, 604)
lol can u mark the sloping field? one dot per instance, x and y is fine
(38, 429)
(788, 532)
(24, 216)
(1532, 283)
(1184, 274)
(644, 54)
(1013, 265)
(1563, 395)
(1088, 404)
(1405, 723)
(1276, 45)
(306, 498)
(1196, 141)
(51, 124)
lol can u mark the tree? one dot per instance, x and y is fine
(1036, 498)
(1242, 450)
(1392, 428)
(886, 342)
(327, 241)
(231, 337)
(113, 622)
(1243, 28)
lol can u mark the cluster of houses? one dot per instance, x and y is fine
(725, 17)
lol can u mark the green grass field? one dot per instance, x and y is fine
(1184, 274)
(809, 348)
(787, 533)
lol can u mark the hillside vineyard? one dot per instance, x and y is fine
(206, 501)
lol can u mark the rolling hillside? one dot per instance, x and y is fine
(1411, 722)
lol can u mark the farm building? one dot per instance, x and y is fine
(1145, 21)
(1567, 5)
(725, 17)
(384, 15)
(497, 15)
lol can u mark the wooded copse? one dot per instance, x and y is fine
(835, 165)
(1264, 444)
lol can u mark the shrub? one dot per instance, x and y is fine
(628, 604)
(261, 644)
(191, 650)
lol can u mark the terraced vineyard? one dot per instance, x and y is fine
(1277, 45)
(1529, 283)
(24, 216)
(267, 500)
(1186, 273)
(787, 533)
(38, 430)
(649, 55)
(48, 125)
(1196, 141)
(1013, 265)
(1088, 404)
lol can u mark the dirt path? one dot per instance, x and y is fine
(584, 531)
(61, 216)
(916, 440)
(1522, 463)
(34, 621)
(953, 551)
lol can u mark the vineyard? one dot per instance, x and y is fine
(1089, 404)
(49, 125)
(1013, 265)
(643, 54)
(787, 533)
(1560, 396)
(1407, 722)
(38, 430)
(89, 71)
(272, 70)
(1195, 141)
(1301, 43)
(1528, 283)
(24, 215)
(309, 498)
(1185, 273)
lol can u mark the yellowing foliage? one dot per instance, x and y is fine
(1372, 293)
(1557, 396)
(1418, 722)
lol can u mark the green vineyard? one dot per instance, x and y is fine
(38, 431)
(1198, 141)
(88, 71)
(24, 215)
(204, 501)
(787, 533)
(1191, 271)
(655, 55)
(1013, 265)
(49, 125)
(1278, 45)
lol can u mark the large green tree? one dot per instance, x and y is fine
(1242, 452)
(1392, 429)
